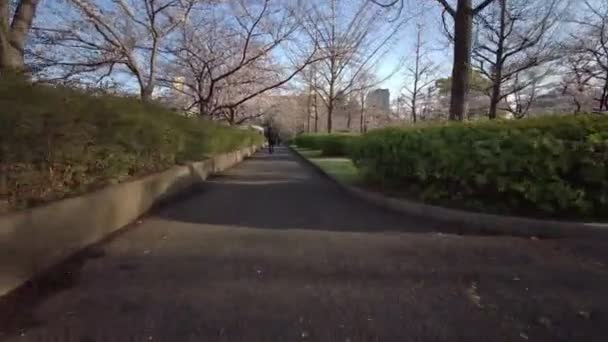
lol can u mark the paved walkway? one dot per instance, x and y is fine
(270, 251)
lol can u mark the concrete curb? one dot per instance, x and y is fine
(36, 239)
(472, 222)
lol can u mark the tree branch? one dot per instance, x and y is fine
(451, 11)
(482, 6)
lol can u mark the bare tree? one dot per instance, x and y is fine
(363, 84)
(310, 81)
(463, 15)
(420, 74)
(226, 57)
(312, 110)
(514, 36)
(351, 40)
(523, 91)
(309, 95)
(14, 32)
(315, 104)
(578, 79)
(594, 27)
(107, 35)
(362, 97)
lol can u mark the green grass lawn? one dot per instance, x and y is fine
(340, 168)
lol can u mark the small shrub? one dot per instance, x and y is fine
(556, 166)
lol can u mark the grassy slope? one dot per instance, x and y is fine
(342, 169)
(56, 142)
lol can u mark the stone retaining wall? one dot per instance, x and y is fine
(33, 240)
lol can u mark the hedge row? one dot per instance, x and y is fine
(56, 142)
(331, 145)
(553, 165)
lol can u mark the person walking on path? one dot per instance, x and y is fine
(271, 136)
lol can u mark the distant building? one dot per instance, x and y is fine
(379, 99)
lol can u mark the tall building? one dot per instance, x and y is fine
(379, 99)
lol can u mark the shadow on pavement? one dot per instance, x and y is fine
(278, 192)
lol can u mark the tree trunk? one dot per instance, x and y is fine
(361, 119)
(308, 110)
(577, 105)
(330, 110)
(416, 73)
(201, 109)
(498, 63)
(205, 110)
(494, 100)
(331, 99)
(308, 120)
(10, 58)
(604, 97)
(413, 104)
(461, 71)
(362, 114)
(349, 120)
(231, 116)
(146, 92)
(316, 114)
(13, 38)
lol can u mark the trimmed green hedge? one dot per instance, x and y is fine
(331, 145)
(556, 166)
(310, 141)
(56, 142)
